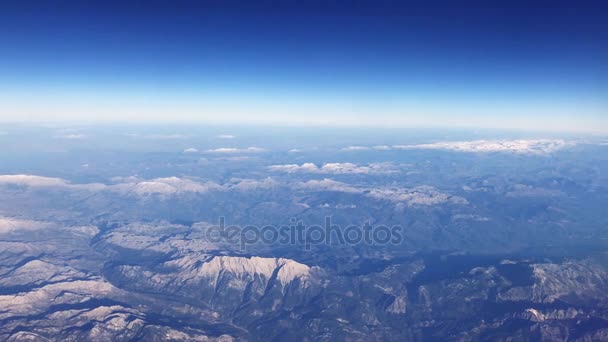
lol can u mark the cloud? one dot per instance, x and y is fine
(165, 186)
(420, 195)
(191, 150)
(133, 186)
(353, 168)
(469, 217)
(335, 168)
(345, 206)
(129, 185)
(326, 185)
(157, 136)
(46, 182)
(252, 149)
(291, 168)
(252, 184)
(356, 148)
(224, 150)
(523, 146)
(238, 158)
(128, 179)
(174, 186)
(32, 181)
(72, 136)
(367, 148)
(10, 225)
(226, 136)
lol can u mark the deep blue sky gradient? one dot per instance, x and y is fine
(533, 58)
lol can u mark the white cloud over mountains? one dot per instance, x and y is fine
(74, 136)
(172, 186)
(418, 196)
(367, 148)
(134, 186)
(11, 225)
(33, 181)
(165, 186)
(335, 168)
(251, 149)
(523, 146)
(252, 184)
(515, 146)
(157, 136)
(130, 185)
(356, 148)
(327, 185)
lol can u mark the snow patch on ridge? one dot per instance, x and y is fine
(241, 267)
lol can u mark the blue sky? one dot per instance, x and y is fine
(525, 65)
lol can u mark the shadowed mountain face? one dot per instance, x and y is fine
(116, 237)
